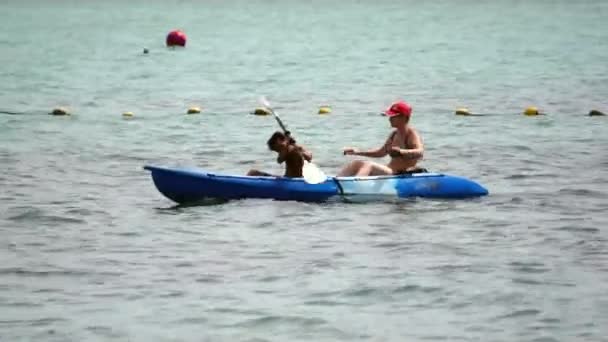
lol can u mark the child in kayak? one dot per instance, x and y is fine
(289, 152)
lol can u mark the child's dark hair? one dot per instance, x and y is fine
(275, 138)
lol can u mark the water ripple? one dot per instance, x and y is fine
(35, 215)
(273, 322)
(47, 273)
(530, 267)
(520, 313)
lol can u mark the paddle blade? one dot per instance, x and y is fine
(264, 102)
(312, 174)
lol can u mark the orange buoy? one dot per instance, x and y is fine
(176, 38)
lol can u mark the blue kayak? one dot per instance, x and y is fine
(184, 185)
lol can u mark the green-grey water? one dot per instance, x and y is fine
(91, 251)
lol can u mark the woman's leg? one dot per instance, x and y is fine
(351, 169)
(374, 169)
(365, 168)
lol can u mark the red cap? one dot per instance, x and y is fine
(399, 108)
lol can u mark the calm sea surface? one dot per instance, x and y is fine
(90, 251)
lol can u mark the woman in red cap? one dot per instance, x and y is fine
(404, 145)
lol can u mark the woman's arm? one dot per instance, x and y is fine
(377, 153)
(416, 152)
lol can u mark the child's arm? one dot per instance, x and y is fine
(281, 157)
(307, 155)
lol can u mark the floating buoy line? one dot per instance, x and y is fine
(530, 111)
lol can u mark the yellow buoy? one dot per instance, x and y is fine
(531, 111)
(462, 111)
(261, 111)
(60, 111)
(596, 112)
(324, 110)
(128, 114)
(194, 110)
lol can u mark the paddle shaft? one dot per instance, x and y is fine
(276, 117)
(280, 122)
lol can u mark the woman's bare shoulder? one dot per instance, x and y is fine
(412, 130)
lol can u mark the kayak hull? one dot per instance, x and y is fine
(184, 185)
